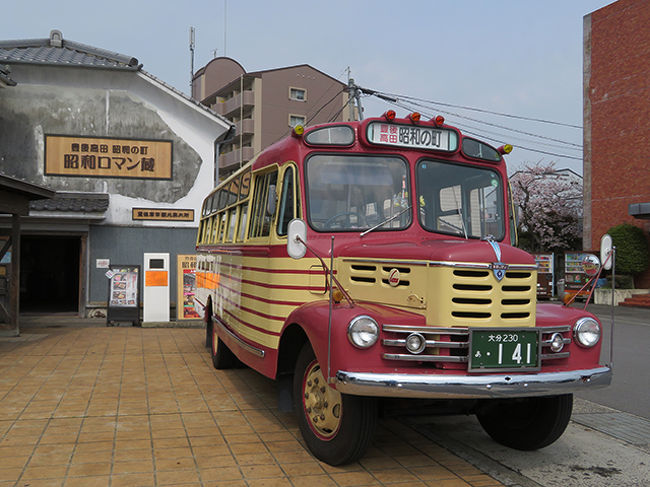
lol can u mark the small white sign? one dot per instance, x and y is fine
(102, 263)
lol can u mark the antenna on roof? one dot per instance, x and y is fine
(225, 25)
(191, 59)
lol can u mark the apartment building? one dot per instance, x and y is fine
(265, 105)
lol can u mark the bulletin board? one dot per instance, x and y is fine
(186, 287)
(123, 304)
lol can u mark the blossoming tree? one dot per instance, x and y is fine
(549, 205)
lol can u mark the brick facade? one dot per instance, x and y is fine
(616, 118)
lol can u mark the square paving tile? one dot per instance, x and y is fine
(125, 406)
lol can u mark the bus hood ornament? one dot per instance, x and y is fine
(498, 267)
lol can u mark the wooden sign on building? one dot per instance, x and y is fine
(107, 157)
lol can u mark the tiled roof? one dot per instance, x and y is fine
(4, 76)
(73, 203)
(57, 51)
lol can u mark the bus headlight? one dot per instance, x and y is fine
(586, 332)
(363, 332)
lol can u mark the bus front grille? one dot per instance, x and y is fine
(478, 298)
(449, 347)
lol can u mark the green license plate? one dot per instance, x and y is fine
(503, 350)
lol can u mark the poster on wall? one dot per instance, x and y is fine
(186, 286)
(123, 294)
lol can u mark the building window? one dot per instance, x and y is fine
(297, 94)
(296, 120)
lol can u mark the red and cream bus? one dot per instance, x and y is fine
(377, 259)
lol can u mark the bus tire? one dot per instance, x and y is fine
(207, 313)
(208, 334)
(222, 356)
(527, 423)
(337, 428)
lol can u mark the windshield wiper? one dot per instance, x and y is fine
(460, 214)
(459, 230)
(389, 219)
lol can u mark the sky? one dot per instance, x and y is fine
(513, 57)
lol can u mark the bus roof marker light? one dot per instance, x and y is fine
(298, 130)
(505, 149)
(414, 117)
(439, 120)
(390, 115)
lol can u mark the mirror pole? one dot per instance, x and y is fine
(611, 331)
(329, 324)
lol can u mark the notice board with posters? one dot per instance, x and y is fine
(545, 275)
(123, 303)
(186, 287)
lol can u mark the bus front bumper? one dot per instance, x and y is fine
(444, 386)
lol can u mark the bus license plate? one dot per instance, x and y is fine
(502, 350)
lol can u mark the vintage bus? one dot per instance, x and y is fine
(376, 259)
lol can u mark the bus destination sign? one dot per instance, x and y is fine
(412, 136)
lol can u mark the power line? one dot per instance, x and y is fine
(323, 106)
(492, 124)
(408, 107)
(480, 110)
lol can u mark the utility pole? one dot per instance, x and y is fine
(354, 94)
(191, 58)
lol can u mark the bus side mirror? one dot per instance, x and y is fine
(605, 251)
(296, 232)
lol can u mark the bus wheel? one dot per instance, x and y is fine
(222, 356)
(207, 317)
(337, 428)
(527, 423)
(208, 334)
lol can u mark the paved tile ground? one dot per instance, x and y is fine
(144, 407)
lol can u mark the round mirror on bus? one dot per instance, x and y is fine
(590, 265)
(296, 235)
(605, 251)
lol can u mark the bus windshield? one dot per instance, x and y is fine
(460, 200)
(352, 193)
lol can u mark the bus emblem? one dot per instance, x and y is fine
(393, 277)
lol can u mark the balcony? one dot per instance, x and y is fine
(233, 104)
(245, 127)
(235, 156)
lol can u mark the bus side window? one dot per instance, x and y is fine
(199, 237)
(233, 224)
(245, 185)
(287, 201)
(243, 213)
(213, 231)
(223, 216)
(260, 218)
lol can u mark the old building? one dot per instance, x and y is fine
(130, 159)
(265, 105)
(616, 114)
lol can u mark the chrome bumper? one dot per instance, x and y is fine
(439, 386)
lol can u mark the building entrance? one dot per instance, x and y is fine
(49, 274)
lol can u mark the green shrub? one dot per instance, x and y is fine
(632, 255)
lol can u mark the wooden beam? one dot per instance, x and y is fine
(14, 285)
